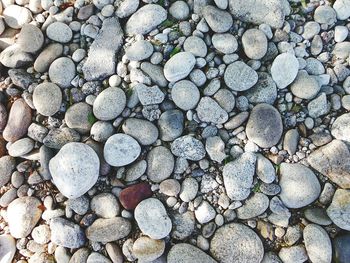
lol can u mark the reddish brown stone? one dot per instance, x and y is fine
(3, 117)
(130, 197)
(18, 122)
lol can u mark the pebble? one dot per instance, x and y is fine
(47, 56)
(121, 149)
(264, 169)
(179, 10)
(325, 15)
(59, 32)
(254, 206)
(341, 244)
(145, 132)
(8, 248)
(337, 166)
(105, 205)
(225, 43)
(135, 171)
(185, 94)
(254, 43)
(204, 213)
(294, 254)
(41, 234)
(340, 128)
(22, 215)
(188, 147)
(305, 86)
(57, 138)
(19, 119)
(183, 225)
(62, 72)
(74, 169)
(14, 57)
(252, 12)
(189, 189)
(16, 16)
(77, 117)
(7, 165)
(155, 72)
(183, 252)
(284, 70)
(317, 243)
(21, 147)
(318, 106)
(101, 131)
(160, 164)
(47, 98)
(30, 39)
(196, 46)
(299, 185)
(208, 110)
(339, 209)
(131, 196)
(149, 95)
(148, 249)
(114, 253)
(238, 176)
(215, 147)
(170, 187)
(108, 230)
(109, 104)
(240, 77)
(179, 66)
(157, 224)
(139, 50)
(264, 126)
(66, 234)
(8, 197)
(218, 20)
(145, 19)
(264, 91)
(170, 125)
(291, 140)
(236, 243)
(341, 8)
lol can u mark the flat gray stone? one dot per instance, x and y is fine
(109, 104)
(171, 125)
(305, 86)
(22, 215)
(183, 253)
(284, 69)
(341, 127)
(139, 50)
(157, 224)
(271, 12)
(145, 132)
(59, 32)
(62, 71)
(101, 56)
(238, 176)
(264, 91)
(121, 149)
(264, 126)
(66, 234)
(30, 39)
(196, 46)
(145, 19)
(47, 98)
(75, 169)
(179, 66)
(299, 185)
(254, 206)
(239, 76)
(236, 243)
(208, 110)
(160, 164)
(339, 209)
(185, 95)
(254, 43)
(218, 20)
(188, 147)
(317, 243)
(225, 43)
(8, 248)
(108, 230)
